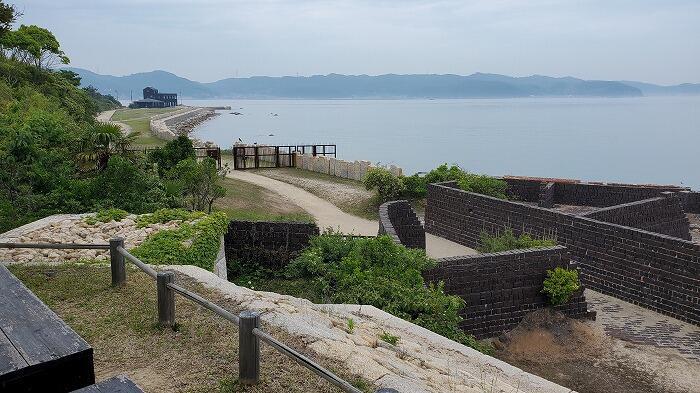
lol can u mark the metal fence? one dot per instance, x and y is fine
(249, 332)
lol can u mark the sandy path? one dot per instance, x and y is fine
(328, 215)
(106, 117)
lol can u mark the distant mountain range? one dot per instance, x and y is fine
(381, 86)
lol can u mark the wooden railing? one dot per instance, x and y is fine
(249, 332)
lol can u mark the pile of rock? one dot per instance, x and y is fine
(74, 229)
(180, 122)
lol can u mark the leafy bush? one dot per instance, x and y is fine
(107, 216)
(162, 216)
(198, 182)
(560, 284)
(389, 187)
(387, 275)
(174, 151)
(508, 241)
(194, 243)
(483, 184)
(416, 186)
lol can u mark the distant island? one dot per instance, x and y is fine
(389, 86)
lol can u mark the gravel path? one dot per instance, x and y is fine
(106, 117)
(329, 215)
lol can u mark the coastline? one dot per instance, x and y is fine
(171, 125)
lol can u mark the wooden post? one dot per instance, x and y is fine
(116, 260)
(166, 299)
(248, 348)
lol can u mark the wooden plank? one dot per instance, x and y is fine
(118, 384)
(10, 359)
(55, 358)
(37, 333)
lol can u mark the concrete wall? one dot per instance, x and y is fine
(501, 288)
(652, 270)
(398, 220)
(660, 215)
(268, 244)
(355, 170)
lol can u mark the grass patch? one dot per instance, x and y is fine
(107, 216)
(121, 326)
(508, 241)
(247, 201)
(130, 114)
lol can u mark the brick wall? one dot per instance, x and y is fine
(690, 201)
(574, 192)
(267, 244)
(653, 270)
(398, 220)
(501, 288)
(660, 215)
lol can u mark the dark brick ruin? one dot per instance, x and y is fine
(653, 270)
(398, 221)
(267, 244)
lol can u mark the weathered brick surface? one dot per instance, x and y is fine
(690, 201)
(398, 220)
(574, 192)
(501, 288)
(661, 215)
(267, 244)
(653, 270)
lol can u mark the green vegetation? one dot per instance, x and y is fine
(389, 338)
(351, 325)
(381, 273)
(167, 157)
(107, 216)
(560, 284)
(162, 216)
(197, 183)
(390, 187)
(193, 243)
(143, 113)
(508, 241)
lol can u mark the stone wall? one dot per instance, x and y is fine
(398, 220)
(661, 215)
(575, 192)
(652, 270)
(355, 170)
(501, 288)
(266, 244)
(690, 201)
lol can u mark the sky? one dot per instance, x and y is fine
(654, 41)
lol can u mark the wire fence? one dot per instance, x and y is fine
(249, 331)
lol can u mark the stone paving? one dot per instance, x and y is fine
(638, 325)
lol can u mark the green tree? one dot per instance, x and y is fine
(8, 16)
(173, 152)
(199, 183)
(100, 142)
(34, 45)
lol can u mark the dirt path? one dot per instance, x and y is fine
(106, 117)
(329, 215)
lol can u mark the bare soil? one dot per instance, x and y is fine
(579, 355)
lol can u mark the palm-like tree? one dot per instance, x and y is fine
(101, 142)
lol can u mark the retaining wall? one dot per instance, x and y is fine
(355, 170)
(652, 270)
(660, 215)
(501, 288)
(398, 220)
(266, 244)
(575, 192)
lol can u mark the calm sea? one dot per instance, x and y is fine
(638, 140)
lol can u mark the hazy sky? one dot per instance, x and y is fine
(654, 41)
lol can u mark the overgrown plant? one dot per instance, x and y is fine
(560, 284)
(107, 216)
(351, 325)
(161, 216)
(384, 274)
(198, 182)
(389, 338)
(508, 241)
(389, 186)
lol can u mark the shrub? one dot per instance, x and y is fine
(389, 338)
(107, 216)
(508, 241)
(194, 243)
(485, 185)
(384, 274)
(560, 284)
(198, 182)
(389, 186)
(171, 153)
(162, 216)
(416, 186)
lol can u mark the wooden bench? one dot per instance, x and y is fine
(118, 384)
(38, 351)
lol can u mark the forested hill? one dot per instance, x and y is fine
(361, 86)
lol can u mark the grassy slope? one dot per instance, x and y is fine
(246, 201)
(139, 120)
(121, 325)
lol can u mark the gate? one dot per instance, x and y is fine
(263, 156)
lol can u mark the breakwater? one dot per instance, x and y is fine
(170, 125)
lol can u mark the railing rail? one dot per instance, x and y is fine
(249, 332)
